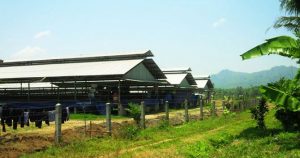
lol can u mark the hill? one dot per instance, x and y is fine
(231, 79)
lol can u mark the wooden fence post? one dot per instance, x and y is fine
(58, 116)
(231, 103)
(108, 118)
(186, 111)
(213, 109)
(223, 105)
(240, 105)
(201, 107)
(143, 119)
(75, 110)
(167, 110)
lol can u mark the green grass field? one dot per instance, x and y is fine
(234, 136)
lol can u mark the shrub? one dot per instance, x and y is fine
(259, 113)
(134, 112)
(129, 132)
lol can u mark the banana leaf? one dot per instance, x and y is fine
(281, 98)
(281, 45)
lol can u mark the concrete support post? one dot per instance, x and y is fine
(108, 118)
(223, 105)
(143, 118)
(186, 111)
(201, 107)
(167, 110)
(213, 109)
(58, 116)
(241, 105)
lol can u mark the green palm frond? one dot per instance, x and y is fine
(290, 6)
(291, 23)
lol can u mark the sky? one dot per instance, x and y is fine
(207, 36)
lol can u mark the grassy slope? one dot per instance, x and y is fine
(219, 137)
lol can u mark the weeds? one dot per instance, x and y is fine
(199, 149)
(129, 132)
(164, 124)
(221, 140)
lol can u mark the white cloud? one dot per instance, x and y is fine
(219, 22)
(28, 53)
(42, 34)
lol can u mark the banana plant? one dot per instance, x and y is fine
(281, 45)
(285, 96)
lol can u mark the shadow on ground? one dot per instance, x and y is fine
(286, 140)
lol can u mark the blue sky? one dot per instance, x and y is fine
(206, 35)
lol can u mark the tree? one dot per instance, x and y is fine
(292, 23)
(284, 93)
(284, 46)
(284, 96)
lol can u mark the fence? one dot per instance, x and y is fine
(108, 125)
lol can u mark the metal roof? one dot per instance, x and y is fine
(175, 76)
(202, 84)
(177, 70)
(69, 71)
(203, 77)
(92, 58)
(25, 85)
(176, 79)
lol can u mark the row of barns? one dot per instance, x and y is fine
(86, 83)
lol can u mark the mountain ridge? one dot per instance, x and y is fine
(231, 79)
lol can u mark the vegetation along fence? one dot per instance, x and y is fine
(83, 122)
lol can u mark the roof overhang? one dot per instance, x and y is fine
(80, 59)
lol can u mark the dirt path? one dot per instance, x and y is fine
(186, 139)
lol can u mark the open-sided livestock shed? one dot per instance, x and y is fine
(78, 78)
(181, 86)
(205, 86)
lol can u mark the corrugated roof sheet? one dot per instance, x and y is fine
(25, 85)
(175, 79)
(177, 70)
(102, 68)
(203, 77)
(201, 83)
(83, 58)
